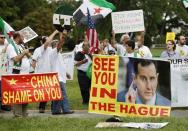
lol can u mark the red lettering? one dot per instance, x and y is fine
(111, 64)
(142, 110)
(111, 80)
(123, 108)
(93, 105)
(104, 64)
(97, 74)
(96, 63)
(104, 92)
(164, 112)
(111, 107)
(154, 112)
(94, 92)
(102, 106)
(132, 110)
(104, 78)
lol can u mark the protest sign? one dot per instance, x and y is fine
(179, 82)
(170, 36)
(131, 125)
(28, 88)
(128, 21)
(68, 59)
(3, 64)
(125, 87)
(28, 34)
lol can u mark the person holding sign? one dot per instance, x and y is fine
(181, 48)
(143, 50)
(130, 47)
(41, 60)
(143, 89)
(170, 50)
(18, 63)
(58, 65)
(82, 61)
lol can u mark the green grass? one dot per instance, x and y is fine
(81, 124)
(156, 52)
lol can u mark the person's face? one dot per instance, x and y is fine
(140, 40)
(20, 40)
(105, 43)
(86, 47)
(182, 40)
(2, 39)
(169, 46)
(128, 48)
(146, 81)
(126, 38)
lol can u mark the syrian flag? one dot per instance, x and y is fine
(6, 29)
(98, 9)
(185, 2)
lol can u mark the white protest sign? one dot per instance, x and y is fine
(128, 21)
(28, 34)
(179, 82)
(68, 59)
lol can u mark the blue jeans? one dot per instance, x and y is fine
(61, 105)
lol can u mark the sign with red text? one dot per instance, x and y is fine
(28, 88)
(128, 21)
(126, 86)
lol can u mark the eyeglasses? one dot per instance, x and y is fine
(2, 37)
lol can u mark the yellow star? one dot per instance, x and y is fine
(12, 81)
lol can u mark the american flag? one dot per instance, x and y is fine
(91, 34)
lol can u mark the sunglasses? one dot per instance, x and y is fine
(2, 37)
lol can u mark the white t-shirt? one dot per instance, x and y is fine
(83, 67)
(121, 50)
(182, 50)
(11, 53)
(1, 48)
(42, 58)
(58, 65)
(144, 52)
(133, 54)
(108, 48)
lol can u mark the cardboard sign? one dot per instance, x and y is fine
(170, 36)
(68, 58)
(28, 34)
(28, 88)
(117, 88)
(179, 82)
(128, 21)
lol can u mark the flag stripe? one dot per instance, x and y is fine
(103, 3)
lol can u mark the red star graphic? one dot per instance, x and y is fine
(97, 11)
(10, 34)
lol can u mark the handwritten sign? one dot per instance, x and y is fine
(128, 21)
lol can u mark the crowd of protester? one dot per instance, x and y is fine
(47, 58)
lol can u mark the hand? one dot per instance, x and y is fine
(26, 51)
(131, 96)
(113, 34)
(84, 60)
